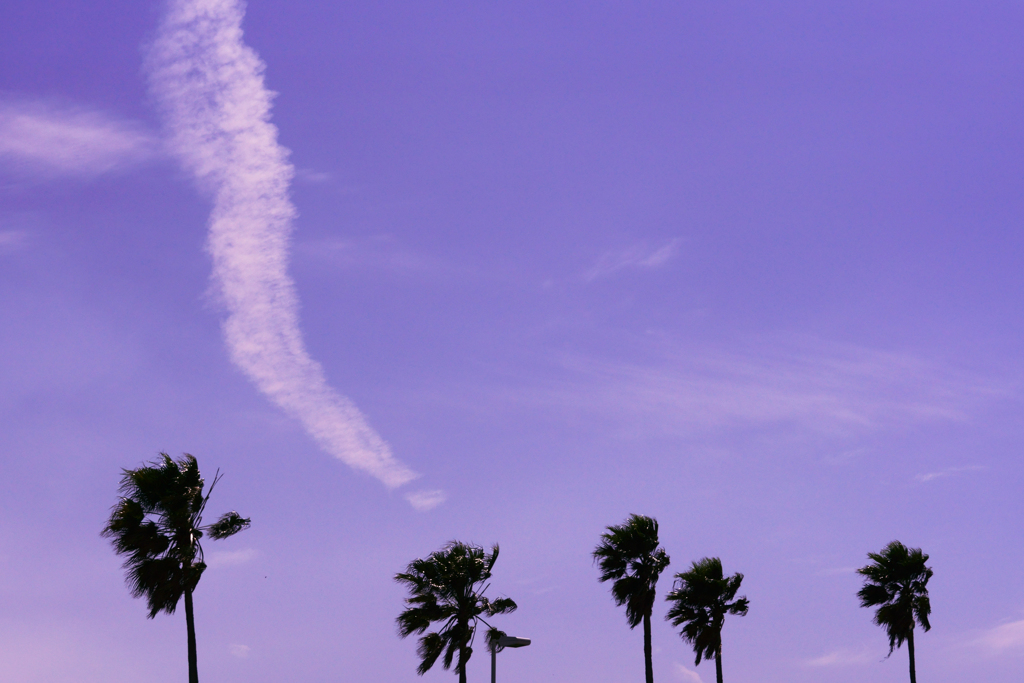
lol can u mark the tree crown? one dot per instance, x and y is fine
(896, 582)
(157, 524)
(629, 555)
(448, 587)
(700, 599)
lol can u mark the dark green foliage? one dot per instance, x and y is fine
(493, 636)
(700, 599)
(447, 588)
(157, 526)
(628, 555)
(228, 525)
(896, 582)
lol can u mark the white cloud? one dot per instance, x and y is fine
(240, 651)
(426, 500)
(636, 256)
(949, 471)
(1003, 637)
(827, 389)
(684, 674)
(840, 658)
(38, 138)
(217, 107)
(227, 558)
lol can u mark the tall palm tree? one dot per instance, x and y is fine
(628, 554)
(158, 523)
(701, 597)
(447, 587)
(896, 582)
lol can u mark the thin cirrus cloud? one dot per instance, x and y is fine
(217, 110)
(240, 651)
(837, 571)
(228, 558)
(1003, 638)
(638, 256)
(825, 389)
(12, 240)
(949, 472)
(426, 500)
(840, 658)
(42, 139)
(376, 254)
(687, 675)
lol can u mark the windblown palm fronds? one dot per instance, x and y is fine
(447, 588)
(629, 556)
(158, 524)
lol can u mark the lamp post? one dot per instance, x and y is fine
(503, 642)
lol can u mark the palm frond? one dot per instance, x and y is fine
(155, 525)
(501, 606)
(446, 591)
(629, 556)
(700, 598)
(228, 525)
(429, 649)
(896, 582)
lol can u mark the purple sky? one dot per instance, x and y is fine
(752, 268)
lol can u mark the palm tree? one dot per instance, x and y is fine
(701, 597)
(448, 588)
(628, 554)
(157, 523)
(896, 582)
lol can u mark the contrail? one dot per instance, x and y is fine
(210, 87)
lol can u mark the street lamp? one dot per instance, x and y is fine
(502, 643)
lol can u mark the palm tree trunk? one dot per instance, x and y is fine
(718, 664)
(463, 656)
(910, 649)
(190, 622)
(648, 664)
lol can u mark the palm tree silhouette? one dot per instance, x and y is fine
(701, 597)
(896, 582)
(448, 587)
(628, 554)
(157, 523)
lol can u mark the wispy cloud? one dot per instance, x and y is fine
(240, 651)
(376, 254)
(308, 175)
(640, 256)
(684, 674)
(426, 500)
(210, 85)
(840, 658)
(1003, 638)
(227, 558)
(826, 389)
(948, 472)
(46, 139)
(837, 571)
(12, 240)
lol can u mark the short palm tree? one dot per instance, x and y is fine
(447, 588)
(158, 524)
(700, 598)
(896, 582)
(628, 554)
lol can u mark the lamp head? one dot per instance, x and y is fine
(512, 641)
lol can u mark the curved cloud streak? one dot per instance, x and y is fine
(210, 85)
